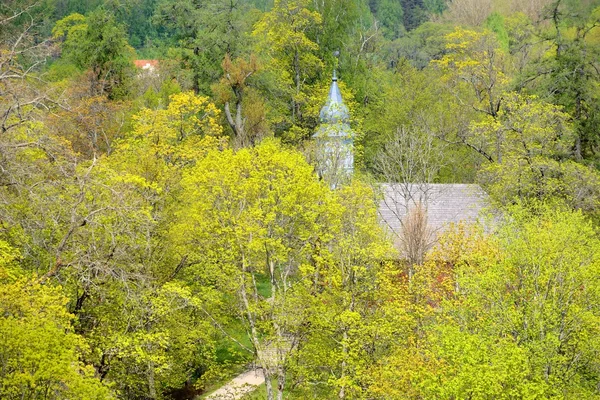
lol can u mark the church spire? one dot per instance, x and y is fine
(335, 139)
(334, 110)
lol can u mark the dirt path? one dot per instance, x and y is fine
(239, 386)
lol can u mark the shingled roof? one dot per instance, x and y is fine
(444, 203)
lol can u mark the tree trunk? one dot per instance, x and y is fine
(296, 111)
(342, 393)
(268, 384)
(237, 123)
(280, 384)
(230, 120)
(151, 383)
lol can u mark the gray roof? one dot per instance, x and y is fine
(334, 110)
(445, 204)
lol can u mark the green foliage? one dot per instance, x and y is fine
(144, 251)
(98, 43)
(40, 354)
(340, 21)
(570, 68)
(532, 141)
(539, 292)
(415, 13)
(391, 15)
(475, 68)
(420, 46)
(201, 34)
(513, 316)
(286, 37)
(435, 6)
(495, 23)
(477, 366)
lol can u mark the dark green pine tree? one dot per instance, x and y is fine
(202, 32)
(415, 13)
(390, 14)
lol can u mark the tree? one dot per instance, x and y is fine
(166, 341)
(539, 290)
(504, 315)
(98, 43)
(475, 64)
(391, 15)
(202, 33)
(413, 99)
(276, 249)
(420, 46)
(40, 354)
(340, 20)
(347, 327)
(91, 124)
(533, 141)
(99, 233)
(415, 13)
(248, 122)
(522, 160)
(22, 55)
(109, 55)
(286, 35)
(410, 163)
(435, 6)
(567, 73)
(252, 218)
(468, 12)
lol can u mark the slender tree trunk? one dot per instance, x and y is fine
(268, 385)
(342, 393)
(254, 337)
(230, 119)
(296, 111)
(579, 112)
(237, 123)
(103, 368)
(80, 300)
(280, 384)
(499, 140)
(556, 20)
(151, 382)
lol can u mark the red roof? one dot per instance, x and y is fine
(146, 63)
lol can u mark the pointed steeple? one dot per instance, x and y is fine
(334, 110)
(335, 139)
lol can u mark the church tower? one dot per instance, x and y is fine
(334, 139)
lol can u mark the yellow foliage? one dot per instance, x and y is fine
(475, 63)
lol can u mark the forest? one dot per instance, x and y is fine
(163, 228)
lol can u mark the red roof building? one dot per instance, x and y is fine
(146, 64)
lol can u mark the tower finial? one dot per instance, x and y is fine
(336, 55)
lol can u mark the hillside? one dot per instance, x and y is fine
(192, 188)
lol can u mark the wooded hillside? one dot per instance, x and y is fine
(163, 228)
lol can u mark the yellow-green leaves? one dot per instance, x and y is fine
(259, 200)
(519, 318)
(69, 25)
(531, 141)
(165, 140)
(286, 26)
(286, 36)
(40, 356)
(475, 64)
(524, 323)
